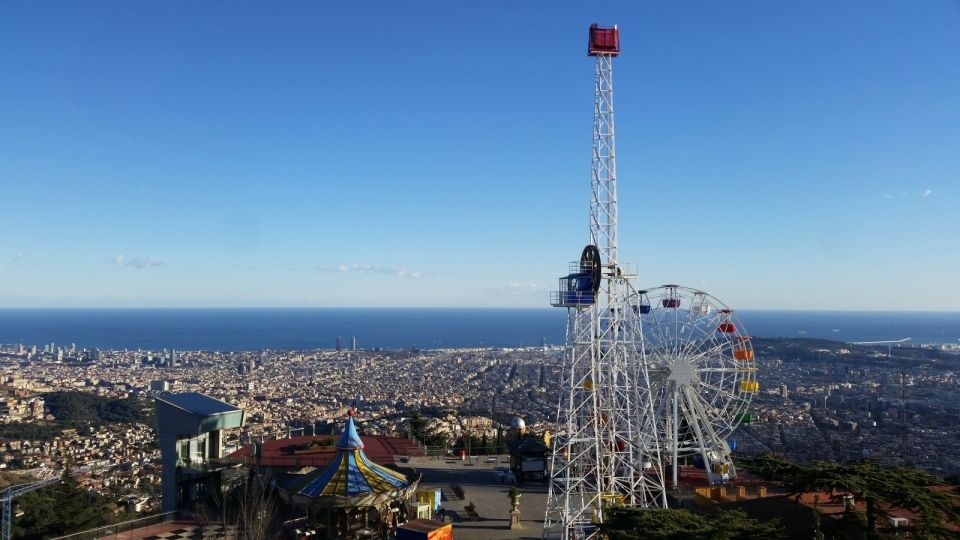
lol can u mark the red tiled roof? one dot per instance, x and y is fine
(832, 505)
(279, 453)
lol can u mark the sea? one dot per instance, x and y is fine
(245, 329)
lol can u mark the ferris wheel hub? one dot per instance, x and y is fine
(681, 371)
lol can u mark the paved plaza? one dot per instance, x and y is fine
(490, 499)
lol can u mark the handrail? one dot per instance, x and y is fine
(116, 529)
(209, 464)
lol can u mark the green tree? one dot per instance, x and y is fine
(475, 443)
(817, 526)
(58, 510)
(81, 407)
(78, 509)
(419, 431)
(881, 489)
(678, 524)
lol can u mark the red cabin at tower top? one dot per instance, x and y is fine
(603, 41)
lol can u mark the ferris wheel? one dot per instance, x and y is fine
(702, 374)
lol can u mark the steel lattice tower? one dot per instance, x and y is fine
(605, 452)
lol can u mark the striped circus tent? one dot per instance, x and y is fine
(351, 479)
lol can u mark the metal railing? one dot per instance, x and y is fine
(145, 526)
(210, 464)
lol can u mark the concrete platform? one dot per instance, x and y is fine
(491, 499)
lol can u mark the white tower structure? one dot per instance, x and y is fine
(606, 451)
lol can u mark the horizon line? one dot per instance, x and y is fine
(255, 307)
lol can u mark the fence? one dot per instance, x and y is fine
(145, 526)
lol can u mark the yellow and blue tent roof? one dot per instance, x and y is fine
(350, 473)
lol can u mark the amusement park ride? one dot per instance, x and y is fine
(651, 378)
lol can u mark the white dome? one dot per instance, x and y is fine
(517, 423)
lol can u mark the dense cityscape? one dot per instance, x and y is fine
(821, 400)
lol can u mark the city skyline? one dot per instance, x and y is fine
(779, 156)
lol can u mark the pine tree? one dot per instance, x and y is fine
(881, 489)
(58, 510)
(79, 510)
(624, 523)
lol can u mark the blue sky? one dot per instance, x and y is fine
(799, 155)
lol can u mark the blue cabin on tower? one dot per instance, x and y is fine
(579, 287)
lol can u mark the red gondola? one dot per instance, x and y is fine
(727, 328)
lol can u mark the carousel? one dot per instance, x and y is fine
(351, 497)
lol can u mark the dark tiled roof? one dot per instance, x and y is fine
(197, 403)
(527, 445)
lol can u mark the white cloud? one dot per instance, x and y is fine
(17, 257)
(517, 289)
(136, 262)
(904, 195)
(399, 271)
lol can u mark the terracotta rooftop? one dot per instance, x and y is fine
(316, 451)
(832, 505)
